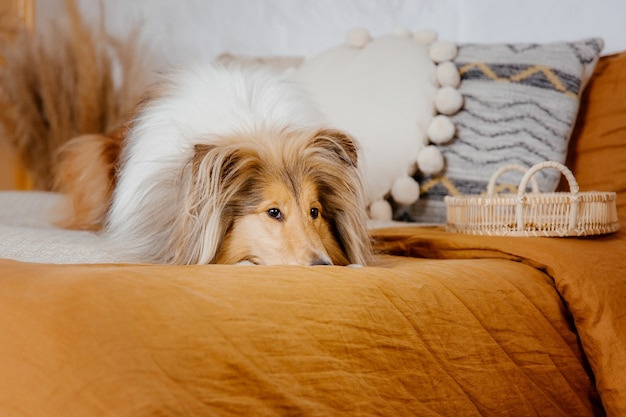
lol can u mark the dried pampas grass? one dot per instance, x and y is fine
(70, 80)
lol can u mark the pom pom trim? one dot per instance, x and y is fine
(447, 101)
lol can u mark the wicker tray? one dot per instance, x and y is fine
(533, 213)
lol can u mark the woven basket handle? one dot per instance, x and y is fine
(491, 186)
(573, 187)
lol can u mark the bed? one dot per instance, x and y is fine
(440, 324)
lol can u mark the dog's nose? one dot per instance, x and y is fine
(320, 261)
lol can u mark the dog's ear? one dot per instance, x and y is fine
(339, 143)
(213, 190)
(200, 151)
(218, 161)
(341, 191)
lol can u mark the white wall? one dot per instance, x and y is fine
(180, 29)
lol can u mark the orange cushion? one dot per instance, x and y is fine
(597, 151)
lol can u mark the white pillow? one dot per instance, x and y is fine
(393, 94)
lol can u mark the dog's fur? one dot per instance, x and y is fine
(222, 165)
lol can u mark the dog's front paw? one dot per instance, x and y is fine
(355, 266)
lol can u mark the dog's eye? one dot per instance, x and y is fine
(275, 213)
(315, 213)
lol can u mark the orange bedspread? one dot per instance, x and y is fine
(461, 326)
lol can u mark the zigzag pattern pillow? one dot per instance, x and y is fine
(521, 103)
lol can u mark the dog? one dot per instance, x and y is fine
(221, 164)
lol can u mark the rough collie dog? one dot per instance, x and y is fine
(221, 165)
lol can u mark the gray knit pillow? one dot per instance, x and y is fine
(521, 102)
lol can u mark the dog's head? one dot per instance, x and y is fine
(288, 197)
